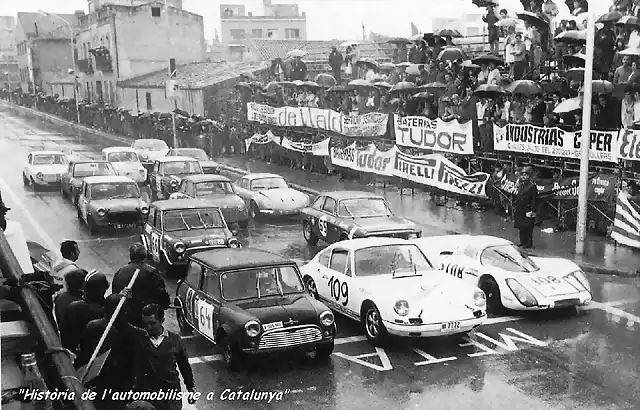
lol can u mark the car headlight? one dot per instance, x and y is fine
(144, 210)
(401, 307)
(179, 247)
(252, 328)
(233, 243)
(326, 318)
(479, 298)
(174, 183)
(578, 280)
(413, 236)
(101, 212)
(524, 296)
(39, 175)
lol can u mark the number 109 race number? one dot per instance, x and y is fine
(339, 290)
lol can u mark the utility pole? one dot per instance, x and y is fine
(172, 75)
(585, 138)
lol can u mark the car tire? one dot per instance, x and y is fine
(254, 211)
(323, 352)
(63, 192)
(310, 285)
(492, 291)
(182, 322)
(309, 236)
(231, 355)
(243, 224)
(91, 224)
(374, 328)
(25, 180)
(34, 185)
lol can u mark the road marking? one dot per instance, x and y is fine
(609, 308)
(205, 359)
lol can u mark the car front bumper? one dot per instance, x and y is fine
(48, 179)
(401, 234)
(182, 259)
(303, 338)
(432, 329)
(547, 303)
(282, 212)
(121, 220)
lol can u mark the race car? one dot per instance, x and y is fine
(390, 286)
(150, 150)
(269, 194)
(338, 216)
(167, 173)
(509, 277)
(77, 172)
(218, 191)
(208, 166)
(111, 201)
(126, 163)
(44, 168)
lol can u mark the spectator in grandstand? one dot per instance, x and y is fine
(626, 110)
(578, 8)
(491, 19)
(335, 61)
(298, 70)
(519, 57)
(623, 73)
(608, 113)
(550, 10)
(605, 48)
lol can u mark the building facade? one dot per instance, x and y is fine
(121, 39)
(8, 53)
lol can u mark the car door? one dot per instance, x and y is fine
(242, 187)
(155, 180)
(83, 200)
(187, 290)
(327, 228)
(155, 235)
(66, 178)
(207, 305)
(27, 166)
(338, 279)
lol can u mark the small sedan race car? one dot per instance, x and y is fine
(219, 192)
(390, 286)
(111, 201)
(178, 227)
(338, 216)
(77, 172)
(44, 168)
(509, 277)
(150, 150)
(251, 302)
(269, 194)
(208, 166)
(126, 163)
(167, 174)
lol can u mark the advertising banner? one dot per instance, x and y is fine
(261, 139)
(602, 187)
(320, 148)
(627, 145)
(436, 135)
(369, 159)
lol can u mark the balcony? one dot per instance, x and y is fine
(103, 59)
(85, 66)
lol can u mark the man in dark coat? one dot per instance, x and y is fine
(524, 208)
(298, 70)
(74, 281)
(335, 61)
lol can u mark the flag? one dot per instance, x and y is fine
(626, 223)
(414, 29)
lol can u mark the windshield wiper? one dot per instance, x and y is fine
(258, 286)
(185, 223)
(512, 259)
(278, 282)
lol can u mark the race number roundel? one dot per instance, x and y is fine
(322, 225)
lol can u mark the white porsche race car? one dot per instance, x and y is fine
(44, 168)
(391, 287)
(508, 276)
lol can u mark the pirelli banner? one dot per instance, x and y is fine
(436, 135)
(554, 142)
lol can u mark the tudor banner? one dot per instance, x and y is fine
(436, 135)
(369, 159)
(436, 171)
(554, 142)
(366, 125)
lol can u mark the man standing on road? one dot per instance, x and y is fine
(149, 286)
(524, 208)
(70, 254)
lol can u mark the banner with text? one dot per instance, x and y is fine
(555, 142)
(261, 139)
(436, 135)
(369, 159)
(366, 125)
(601, 188)
(320, 149)
(627, 145)
(436, 171)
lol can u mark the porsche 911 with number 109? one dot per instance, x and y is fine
(252, 302)
(111, 201)
(44, 168)
(167, 174)
(390, 286)
(178, 227)
(218, 191)
(510, 278)
(270, 195)
(77, 172)
(342, 215)
(208, 166)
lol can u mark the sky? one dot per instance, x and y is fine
(326, 19)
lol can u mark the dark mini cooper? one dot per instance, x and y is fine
(77, 172)
(167, 173)
(249, 302)
(337, 216)
(177, 227)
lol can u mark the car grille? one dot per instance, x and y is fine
(401, 235)
(566, 303)
(210, 170)
(415, 321)
(290, 337)
(129, 217)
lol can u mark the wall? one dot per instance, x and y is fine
(7, 43)
(263, 23)
(63, 90)
(53, 59)
(134, 99)
(97, 35)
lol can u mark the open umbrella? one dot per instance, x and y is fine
(404, 86)
(298, 83)
(287, 84)
(296, 53)
(243, 86)
(452, 54)
(433, 39)
(601, 87)
(621, 89)
(484, 3)
(630, 52)
(433, 86)
(338, 89)
(508, 22)
(532, 19)
(383, 84)
(469, 64)
(248, 76)
(360, 83)
(488, 58)
(573, 37)
(578, 59)
(489, 91)
(310, 84)
(325, 80)
(568, 105)
(387, 66)
(349, 44)
(414, 69)
(524, 87)
(610, 17)
(367, 62)
(400, 41)
(629, 21)
(577, 74)
(448, 32)
(422, 95)
(403, 64)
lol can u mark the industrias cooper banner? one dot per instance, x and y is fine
(366, 125)
(554, 142)
(436, 135)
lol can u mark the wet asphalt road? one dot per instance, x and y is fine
(535, 361)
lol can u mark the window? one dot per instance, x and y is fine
(323, 259)
(212, 284)
(158, 219)
(390, 259)
(256, 33)
(319, 202)
(155, 11)
(237, 33)
(193, 275)
(509, 258)
(330, 205)
(148, 98)
(339, 260)
(271, 33)
(292, 33)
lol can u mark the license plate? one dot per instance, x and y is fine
(272, 325)
(450, 327)
(123, 226)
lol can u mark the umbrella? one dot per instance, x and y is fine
(484, 3)
(413, 69)
(360, 83)
(578, 59)
(469, 64)
(422, 94)
(243, 85)
(433, 86)
(298, 83)
(337, 89)
(488, 58)
(621, 89)
(610, 17)
(383, 84)
(367, 62)
(287, 84)
(249, 76)
(630, 21)
(630, 52)
(572, 37)
(508, 22)
(532, 19)
(577, 74)
(431, 39)
(349, 44)
(601, 87)
(524, 87)
(256, 84)
(400, 41)
(416, 37)
(448, 32)
(489, 91)
(326, 80)
(403, 64)
(296, 53)
(404, 86)
(452, 54)
(387, 66)
(568, 105)
(311, 84)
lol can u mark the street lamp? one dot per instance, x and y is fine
(73, 58)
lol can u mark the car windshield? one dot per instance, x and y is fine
(363, 207)
(93, 169)
(214, 188)
(111, 190)
(194, 153)
(188, 219)
(150, 145)
(391, 260)
(123, 157)
(49, 159)
(509, 258)
(268, 183)
(261, 282)
(182, 167)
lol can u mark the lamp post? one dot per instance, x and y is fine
(73, 59)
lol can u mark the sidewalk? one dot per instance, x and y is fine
(602, 255)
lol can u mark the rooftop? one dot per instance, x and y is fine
(178, 204)
(44, 26)
(341, 195)
(196, 75)
(239, 258)
(317, 50)
(206, 178)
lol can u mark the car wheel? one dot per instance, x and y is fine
(182, 322)
(323, 352)
(254, 211)
(373, 326)
(25, 180)
(309, 236)
(231, 355)
(243, 224)
(311, 287)
(91, 223)
(492, 291)
(34, 185)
